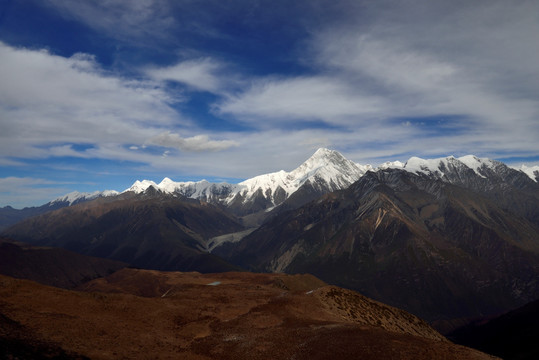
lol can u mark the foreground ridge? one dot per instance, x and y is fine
(213, 316)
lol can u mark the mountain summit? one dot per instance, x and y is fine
(325, 171)
(329, 168)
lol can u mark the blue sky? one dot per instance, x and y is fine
(97, 94)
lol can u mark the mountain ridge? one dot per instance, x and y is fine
(325, 171)
(133, 313)
(203, 189)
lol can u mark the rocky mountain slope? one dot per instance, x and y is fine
(438, 248)
(513, 190)
(10, 216)
(135, 314)
(149, 230)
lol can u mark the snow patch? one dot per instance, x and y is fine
(390, 165)
(76, 196)
(436, 167)
(531, 171)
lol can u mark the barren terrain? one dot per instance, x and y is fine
(141, 314)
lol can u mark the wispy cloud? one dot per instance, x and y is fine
(49, 102)
(55, 99)
(300, 99)
(471, 62)
(200, 74)
(126, 20)
(195, 143)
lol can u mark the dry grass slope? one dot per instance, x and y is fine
(140, 314)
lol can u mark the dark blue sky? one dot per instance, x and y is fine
(95, 95)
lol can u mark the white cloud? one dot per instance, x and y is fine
(195, 143)
(48, 98)
(200, 74)
(49, 103)
(300, 99)
(475, 62)
(420, 82)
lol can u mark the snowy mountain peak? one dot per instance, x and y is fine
(391, 165)
(476, 164)
(75, 196)
(166, 181)
(459, 170)
(426, 166)
(167, 185)
(323, 153)
(322, 158)
(326, 170)
(331, 167)
(141, 186)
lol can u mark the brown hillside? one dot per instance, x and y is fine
(52, 266)
(140, 314)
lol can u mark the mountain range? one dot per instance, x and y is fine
(325, 171)
(447, 239)
(437, 249)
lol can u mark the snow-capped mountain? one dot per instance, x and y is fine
(446, 231)
(201, 190)
(444, 167)
(76, 197)
(390, 165)
(531, 171)
(475, 173)
(325, 171)
(452, 231)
